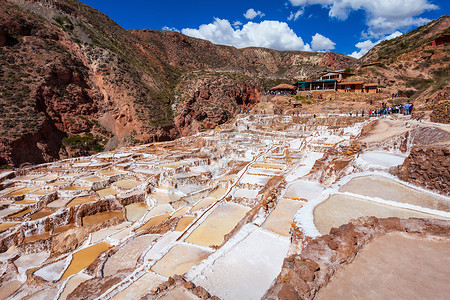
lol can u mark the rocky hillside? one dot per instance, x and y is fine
(76, 83)
(411, 65)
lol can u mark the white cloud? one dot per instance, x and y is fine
(237, 24)
(268, 34)
(170, 29)
(365, 46)
(322, 43)
(383, 16)
(295, 16)
(251, 14)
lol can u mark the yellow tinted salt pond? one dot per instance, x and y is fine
(37, 237)
(203, 203)
(219, 223)
(268, 166)
(25, 202)
(135, 211)
(340, 209)
(180, 212)
(127, 184)
(281, 218)
(153, 222)
(21, 214)
(81, 200)
(165, 198)
(42, 213)
(75, 188)
(8, 288)
(180, 259)
(218, 193)
(106, 192)
(23, 191)
(84, 258)
(7, 225)
(183, 223)
(101, 217)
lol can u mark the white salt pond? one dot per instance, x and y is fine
(246, 270)
(380, 159)
(306, 190)
(339, 209)
(255, 179)
(54, 271)
(245, 193)
(126, 257)
(30, 261)
(388, 189)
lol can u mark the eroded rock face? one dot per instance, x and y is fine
(427, 167)
(208, 101)
(304, 274)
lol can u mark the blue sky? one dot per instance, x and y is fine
(346, 26)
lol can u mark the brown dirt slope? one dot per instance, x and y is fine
(411, 65)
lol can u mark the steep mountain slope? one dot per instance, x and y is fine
(411, 65)
(76, 82)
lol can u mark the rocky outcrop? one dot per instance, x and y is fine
(210, 100)
(427, 166)
(441, 112)
(304, 274)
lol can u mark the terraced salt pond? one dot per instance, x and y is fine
(136, 211)
(84, 258)
(219, 223)
(388, 189)
(191, 206)
(339, 209)
(373, 275)
(281, 218)
(180, 259)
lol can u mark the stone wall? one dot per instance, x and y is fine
(427, 167)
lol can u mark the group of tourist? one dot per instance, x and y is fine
(385, 110)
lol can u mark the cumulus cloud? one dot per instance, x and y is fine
(251, 14)
(170, 29)
(383, 16)
(295, 16)
(268, 34)
(365, 46)
(321, 43)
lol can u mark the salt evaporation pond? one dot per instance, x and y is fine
(180, 259)
(126, 257)
(281, 218)
(84, 258)
(135, 211)
(388, 189)
(380, 159)
(303, 190)
(339, 209)
(251, 265)
(383, 270)
(219, 223)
